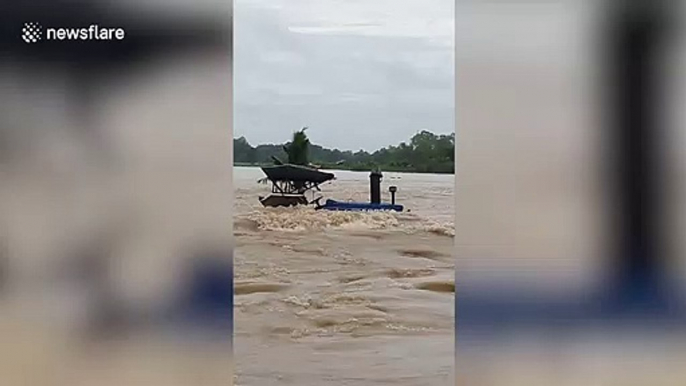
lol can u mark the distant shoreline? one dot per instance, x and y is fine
(425, 152)
(352, 169)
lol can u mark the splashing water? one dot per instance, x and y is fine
(314, 285)
(309, 219)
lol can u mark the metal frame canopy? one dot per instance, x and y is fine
(295, 179)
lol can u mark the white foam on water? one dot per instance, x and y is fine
(300, 219)
(308, 219)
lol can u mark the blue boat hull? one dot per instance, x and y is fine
(358, 206)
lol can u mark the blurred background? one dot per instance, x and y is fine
(115, 195)
(569, 192)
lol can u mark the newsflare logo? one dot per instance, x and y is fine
(32, 32)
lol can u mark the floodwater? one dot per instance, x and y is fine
(337, 298)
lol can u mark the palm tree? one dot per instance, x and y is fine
(298, 149)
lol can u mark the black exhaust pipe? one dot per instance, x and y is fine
(375, 186)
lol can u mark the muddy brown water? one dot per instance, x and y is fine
(336, 298)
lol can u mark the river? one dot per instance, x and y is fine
(341, 298)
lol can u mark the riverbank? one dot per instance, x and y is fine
(358, 168)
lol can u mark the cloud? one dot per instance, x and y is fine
(361, 74)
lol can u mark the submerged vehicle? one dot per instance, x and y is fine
(291, 182)
(359, 206)
(375, 203)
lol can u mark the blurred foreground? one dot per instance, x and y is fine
(569, 193)
(115, 198)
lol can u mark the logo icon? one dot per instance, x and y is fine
(32, 32)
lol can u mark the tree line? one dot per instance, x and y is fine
(426, 152)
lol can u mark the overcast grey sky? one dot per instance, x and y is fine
(362, 74)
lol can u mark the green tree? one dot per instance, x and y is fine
(298, 149)
(425, 152)
(243, 151)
